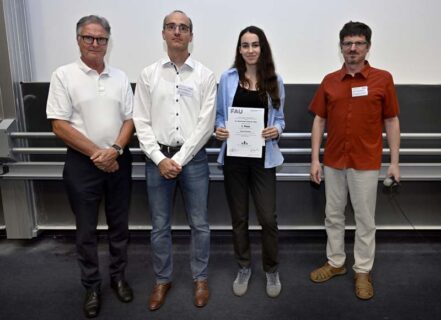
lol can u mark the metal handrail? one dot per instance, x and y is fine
(285, 135)
(288, 172)
(286, 151)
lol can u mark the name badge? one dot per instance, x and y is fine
(359, 91)
(185, 91)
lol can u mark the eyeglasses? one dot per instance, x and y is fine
(101, 41)
(246, 45)
(349, 44)
(172, 27)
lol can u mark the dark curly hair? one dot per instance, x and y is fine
(356, 29)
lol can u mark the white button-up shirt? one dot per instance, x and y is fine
(94, 104)
(175, 107)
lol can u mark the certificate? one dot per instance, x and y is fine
(245, 127)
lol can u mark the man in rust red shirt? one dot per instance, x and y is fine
(354, 104)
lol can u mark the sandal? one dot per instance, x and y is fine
(326, 272)
(363, 286)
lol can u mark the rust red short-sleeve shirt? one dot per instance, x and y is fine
(355, 109)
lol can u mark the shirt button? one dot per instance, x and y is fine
(177, 86)
(177, 114)
(177, 72)
(177, 100)
(177, 128)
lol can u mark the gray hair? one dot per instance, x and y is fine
(177, 11)
(93, 19)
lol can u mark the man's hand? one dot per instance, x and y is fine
(169, 169)
(316, 172)
(112, 167)
(105, 159)
(394, 170)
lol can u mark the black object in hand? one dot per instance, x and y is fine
(314, 184)
(390, 182)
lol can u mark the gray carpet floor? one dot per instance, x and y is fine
(39, 279)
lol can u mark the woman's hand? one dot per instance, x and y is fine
(222, 134)
(270, 133)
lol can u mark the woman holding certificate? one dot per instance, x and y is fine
(249, 121)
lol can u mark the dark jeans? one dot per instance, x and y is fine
(86, 185)
(242, 176)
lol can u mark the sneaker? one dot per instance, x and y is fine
(273, 285)
(240, 284)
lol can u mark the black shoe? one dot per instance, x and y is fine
(122, 290)
(92, 304)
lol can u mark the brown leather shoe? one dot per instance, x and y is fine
(326, 272)
(157, 297)
(201, 293)
(363, 286)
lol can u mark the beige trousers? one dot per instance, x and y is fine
(362, 188)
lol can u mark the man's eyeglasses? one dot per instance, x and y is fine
(101, 41)
(349, 44)
(172, 27)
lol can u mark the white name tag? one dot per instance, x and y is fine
(185, 91)
(360, 91)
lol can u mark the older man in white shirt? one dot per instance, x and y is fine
(90, 106)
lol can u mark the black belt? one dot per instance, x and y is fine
(168, 149)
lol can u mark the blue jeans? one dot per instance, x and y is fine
(193, 181)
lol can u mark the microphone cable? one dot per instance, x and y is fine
(392, 191)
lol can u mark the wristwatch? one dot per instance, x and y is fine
(118, 149)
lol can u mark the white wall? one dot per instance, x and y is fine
(303, 34)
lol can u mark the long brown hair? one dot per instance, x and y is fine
(266, 73)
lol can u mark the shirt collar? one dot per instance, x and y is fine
(364, 72)
(86, 69)
(189, 62)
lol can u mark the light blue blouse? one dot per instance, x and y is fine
(225, 95)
